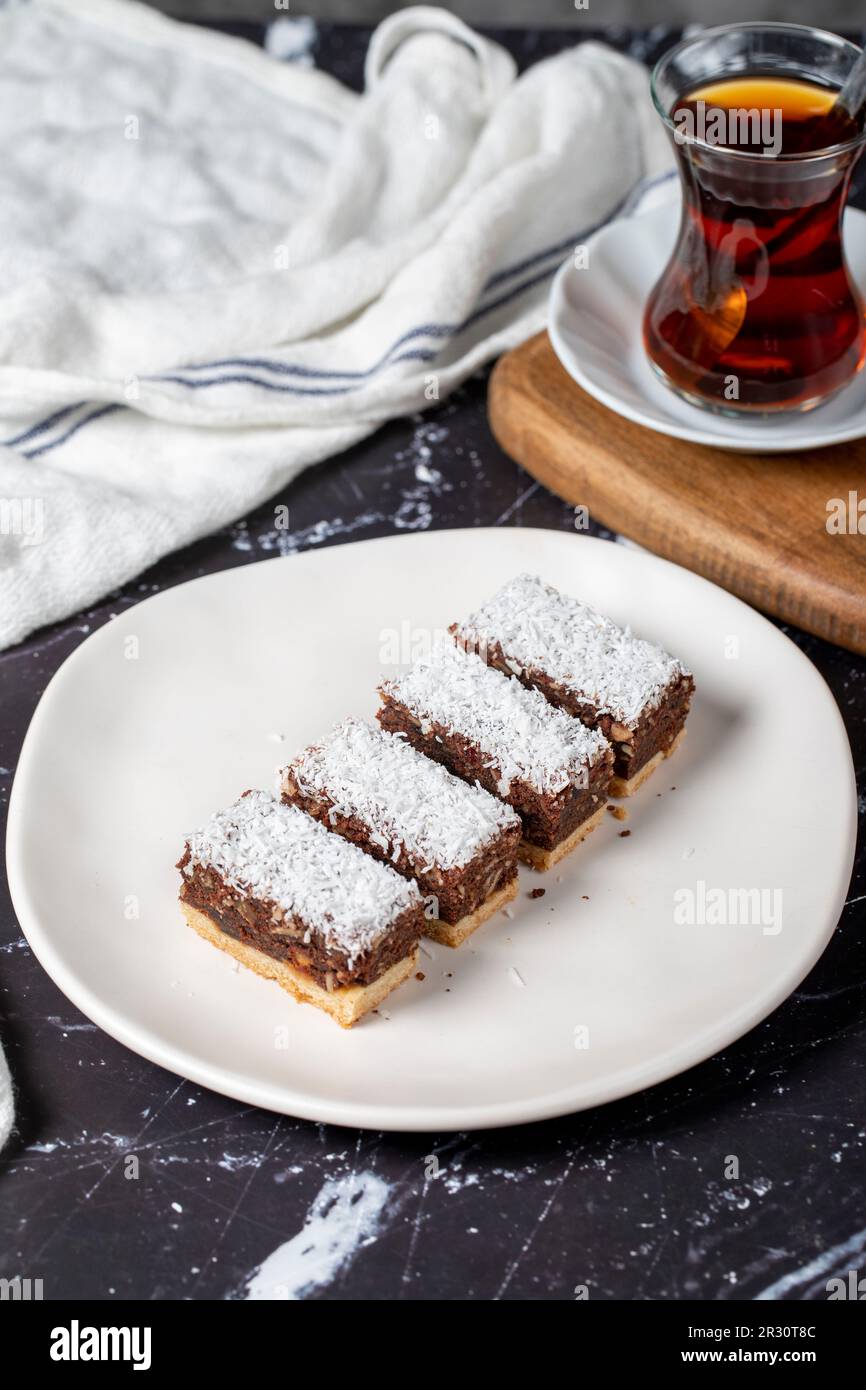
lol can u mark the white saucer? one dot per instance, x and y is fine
(182, 702)
(595, 320)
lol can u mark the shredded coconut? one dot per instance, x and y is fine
(279, 854)
(515, 728)
(599, 663)
(407, 801)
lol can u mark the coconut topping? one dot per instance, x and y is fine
(518, 731)
(406, 801)
(276, 853)
(540, 629)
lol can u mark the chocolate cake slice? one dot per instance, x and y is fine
(634, 692)
(269, 885)
(456, 840)
(489, 729)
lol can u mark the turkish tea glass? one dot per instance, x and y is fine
(756, 311)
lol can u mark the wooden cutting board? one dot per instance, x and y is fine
(754, 523)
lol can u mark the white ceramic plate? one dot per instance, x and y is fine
(595, 319)
(127, 754)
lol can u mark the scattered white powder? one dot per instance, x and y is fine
(279, 854)
(520, 734)
(540, 629)
(233, 1162)
(344, 1217)
(406, 800)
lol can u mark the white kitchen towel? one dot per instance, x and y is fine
(217, 268)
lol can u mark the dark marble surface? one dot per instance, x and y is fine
(630, 1200)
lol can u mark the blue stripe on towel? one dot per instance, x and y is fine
(419, 354)
(426, 330)
(429, 330)
(246, 378)
(35, 430)
(559, 250)
(444, 330)
(73, 429)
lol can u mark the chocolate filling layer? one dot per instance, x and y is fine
(548, 817)
(266, 926)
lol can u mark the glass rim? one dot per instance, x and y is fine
(826, 152)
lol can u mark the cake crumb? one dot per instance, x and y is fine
(537, 893)
(618, 812)
(584, 897)
(419, 975)
(623, 833)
